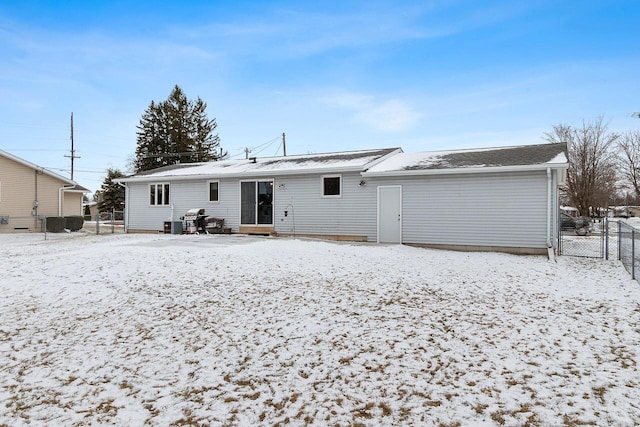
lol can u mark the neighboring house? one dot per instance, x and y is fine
(503, 199)
(634, 211)
(90, 210)
(569, 210)
(620, 211)
(29, 192)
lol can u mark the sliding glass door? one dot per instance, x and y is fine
(256, 202)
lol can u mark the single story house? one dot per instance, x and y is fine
(634, 211)
(28, 192)
(90, 210)
(500, 199)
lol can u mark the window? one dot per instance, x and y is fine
(214, 191)
(159, 194)
(331, 186)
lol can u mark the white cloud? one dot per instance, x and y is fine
(392, 115)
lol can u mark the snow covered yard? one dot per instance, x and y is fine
(226, 330)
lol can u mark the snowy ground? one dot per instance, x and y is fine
(229, 330)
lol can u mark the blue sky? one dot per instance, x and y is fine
(334, 75)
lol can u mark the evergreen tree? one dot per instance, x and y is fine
(111, 195)
(176, 130)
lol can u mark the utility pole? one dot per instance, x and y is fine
(73, 152)
(284, 145)
(246, 153)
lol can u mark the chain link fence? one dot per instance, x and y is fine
(106, 223)
(629, 248)
(608, 239)
(599, 240)
(589, 241)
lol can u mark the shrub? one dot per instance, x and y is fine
(55, 224)
(74, 223)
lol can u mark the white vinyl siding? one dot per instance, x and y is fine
(352, 214)
(185, 195)
(504, 210)
(497, 209)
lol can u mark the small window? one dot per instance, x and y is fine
(214, 191)
(331, 186)
(159, 194)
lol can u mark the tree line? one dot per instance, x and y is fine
(604, 166)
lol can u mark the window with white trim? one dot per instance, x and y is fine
(159, 194)
(331, 185)
(214, 191)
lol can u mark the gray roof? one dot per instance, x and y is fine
(485, 158)
(510, 156)
(296, 164)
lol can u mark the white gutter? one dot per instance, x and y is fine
(453, 171)
(250, 174)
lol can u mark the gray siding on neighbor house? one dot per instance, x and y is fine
(352, 214)
(507, 209)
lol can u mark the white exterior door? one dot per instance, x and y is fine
(390, 214)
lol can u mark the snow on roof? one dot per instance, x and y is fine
(524, 155)
(348, 160)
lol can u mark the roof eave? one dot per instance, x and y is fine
(250, 174)
(37, 168)
(454, 171)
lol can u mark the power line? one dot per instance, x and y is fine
(31, 149)
(277, 149)
(186, 153)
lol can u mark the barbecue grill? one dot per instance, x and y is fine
(195, 222)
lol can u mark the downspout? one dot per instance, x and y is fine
(60, 191)
(549, 205)
(126, 208)
(35, 203)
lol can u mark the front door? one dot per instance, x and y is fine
(390, 214)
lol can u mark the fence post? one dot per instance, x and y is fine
(606, 242)
(633, 253)
(97, 223)
(619, 240)
(44, 222)
(113, 220)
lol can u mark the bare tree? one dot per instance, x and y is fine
(591, 177)
(629, 155)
